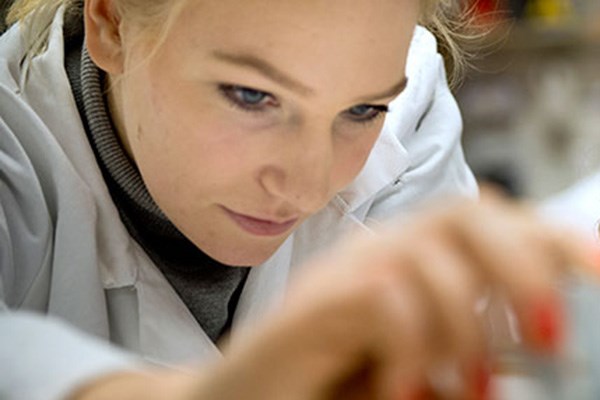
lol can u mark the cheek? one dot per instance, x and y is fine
(143, 115)
(168, 143)
(187, 143)
(351, 158)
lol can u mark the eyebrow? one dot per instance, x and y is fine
(394, 91)
(270, 71)
(265, 68)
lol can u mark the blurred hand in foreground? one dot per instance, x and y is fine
(375, 315)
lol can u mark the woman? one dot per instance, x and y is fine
(177, 139)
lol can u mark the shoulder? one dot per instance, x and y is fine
(29, 55)
(37, 106)
(25, 218)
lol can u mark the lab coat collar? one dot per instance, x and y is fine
(387, 161)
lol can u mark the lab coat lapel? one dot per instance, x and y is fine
(264, 288)
(169, 334)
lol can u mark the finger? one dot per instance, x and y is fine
(451, 288)
(490, 192)
(369, 312)
(402, 350)
(477, 378)
(454, 380)
(444, 290)
(513, 255)
(576, 253)
(421, 390)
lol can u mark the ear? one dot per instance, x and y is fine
(103, 36)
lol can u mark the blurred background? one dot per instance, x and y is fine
(531, 105)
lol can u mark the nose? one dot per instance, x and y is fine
(301, 174)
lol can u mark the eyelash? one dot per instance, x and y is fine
(379, 111)
(228, 91)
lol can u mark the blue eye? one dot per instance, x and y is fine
(361, 110)
(246, 98)
(366, 112)
(250, 96)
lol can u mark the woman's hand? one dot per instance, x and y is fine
(376, 315)
(381, 311)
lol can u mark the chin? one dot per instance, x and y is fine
(240, 257)
(233, 249)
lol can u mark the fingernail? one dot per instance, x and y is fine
(547, 323)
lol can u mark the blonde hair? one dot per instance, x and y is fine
(454, 24)
(40, 13)
(446, 19)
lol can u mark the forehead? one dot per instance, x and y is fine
(350, 37)
(273, 19)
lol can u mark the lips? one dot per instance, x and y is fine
(260, 227)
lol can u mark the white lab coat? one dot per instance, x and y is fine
(65, 252)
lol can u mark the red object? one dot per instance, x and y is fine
(547, 321)
(483, 7)
(489, 10)
(481, 381)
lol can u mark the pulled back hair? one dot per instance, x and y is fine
(448, 20)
